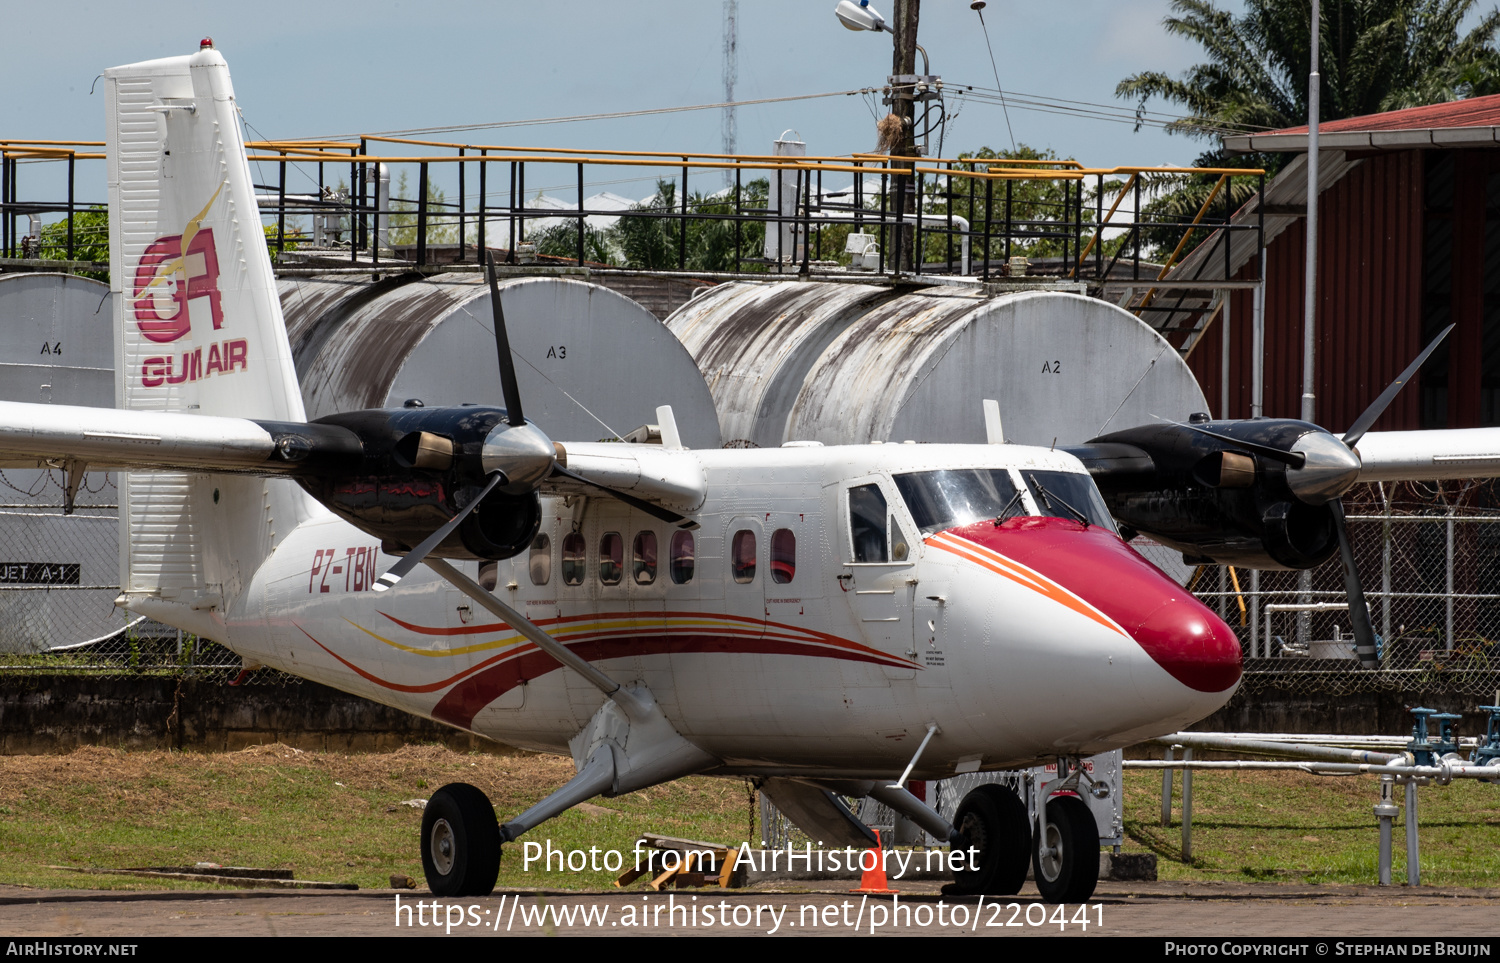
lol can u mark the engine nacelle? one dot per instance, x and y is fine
(1216, 501)
(420, 467)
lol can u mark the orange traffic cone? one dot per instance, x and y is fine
(872, 881)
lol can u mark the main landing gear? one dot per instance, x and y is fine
(460, 842)
(992, 820)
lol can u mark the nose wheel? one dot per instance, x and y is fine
(1065, 860)
(460, 842)
(994, 822)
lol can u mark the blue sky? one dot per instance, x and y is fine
(303, 69)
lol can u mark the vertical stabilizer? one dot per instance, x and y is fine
(199, 320)
(198, 324)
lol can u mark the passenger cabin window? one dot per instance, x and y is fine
(540, 562)
(643, 558)
(489, 576)
(611, 558)
(574, 560)
(742, 555)
(867, 521)
(783, 556)
(683, 555)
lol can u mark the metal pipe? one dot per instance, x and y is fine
(1448, 605)
(1258, 347)
(1166, 789)
(1272, 748)
(1385, 812)
(1187, 806)
(1255, 611)
(1442, 774)
(1413, 854)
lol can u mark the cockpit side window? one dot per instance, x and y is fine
(867, 524)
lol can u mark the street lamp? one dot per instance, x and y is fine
(860, 16)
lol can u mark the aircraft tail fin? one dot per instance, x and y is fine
(198, 323)
(198, 318)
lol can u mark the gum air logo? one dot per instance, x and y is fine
(191, 261)
(172, 272)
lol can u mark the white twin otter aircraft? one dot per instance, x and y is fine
(818, 618)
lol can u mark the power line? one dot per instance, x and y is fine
(495, 125)
(1087, 110)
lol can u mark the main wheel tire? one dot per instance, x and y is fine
(460, 842)
(1065, 860)
(994, 821)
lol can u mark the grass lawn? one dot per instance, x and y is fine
(341, 818)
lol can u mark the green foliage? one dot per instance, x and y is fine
(1037, 209)
(560, 241)
(648, 242)
(1375, 55)
(90, 240)
(442, 227)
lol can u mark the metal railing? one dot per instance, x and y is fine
(783, 215)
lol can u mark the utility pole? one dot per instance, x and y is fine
(1310, 283)
(1310, 287)
(902, 97)
(731, 74)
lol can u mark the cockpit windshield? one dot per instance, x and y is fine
(1063, 494)
(953, 497)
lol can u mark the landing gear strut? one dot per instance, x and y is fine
(460, 842)
(993, 820)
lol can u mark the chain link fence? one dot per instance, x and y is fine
(1429, 562)
(59, 578)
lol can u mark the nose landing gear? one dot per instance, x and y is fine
(1065, 860)
(460, 842)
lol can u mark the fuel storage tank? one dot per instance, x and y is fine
(59, 574)
(590, 363)
(854, 363)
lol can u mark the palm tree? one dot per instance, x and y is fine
(1376, 55)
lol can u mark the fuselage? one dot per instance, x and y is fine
(833, 604)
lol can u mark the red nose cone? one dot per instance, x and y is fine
(1181, 635)
(1192, 643)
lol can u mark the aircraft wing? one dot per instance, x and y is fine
(670, 477)
(1394, 456)
(34, 435)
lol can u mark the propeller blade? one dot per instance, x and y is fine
(655, 511)
(1295, 459)
(1371, 414)
(1359, 610)
(415, 556)
(502, 346)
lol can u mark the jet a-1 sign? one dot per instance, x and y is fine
(822, 619)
